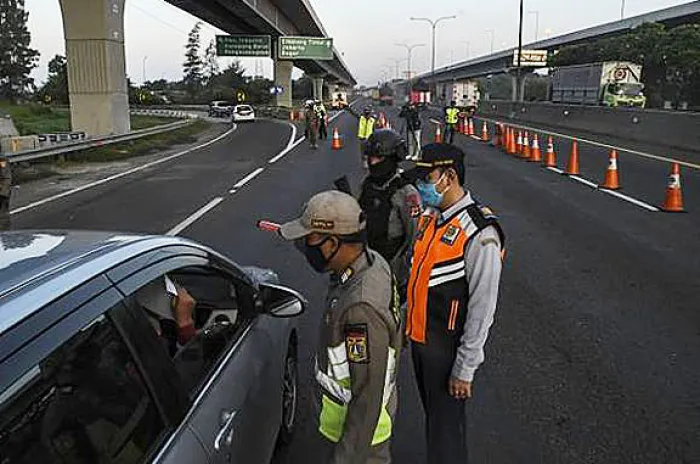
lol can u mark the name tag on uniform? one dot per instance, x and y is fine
(450, 235)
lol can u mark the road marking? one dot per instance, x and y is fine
(600, 144)
(195, 216)
(630, 199)
(121, 174)
(435, 121)
(557, 170)
(293, 144)
(247, 178)
(584, 181)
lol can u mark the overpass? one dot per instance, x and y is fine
(502, 62)
(94, 32)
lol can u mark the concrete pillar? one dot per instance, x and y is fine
(283, 78)
(318, 88)
(522, 87)
(99, 99)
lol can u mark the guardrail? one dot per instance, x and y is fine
(39, 153)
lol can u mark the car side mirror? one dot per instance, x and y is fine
(282, 302)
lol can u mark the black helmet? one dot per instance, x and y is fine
(386, 143)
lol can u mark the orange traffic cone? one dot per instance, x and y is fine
(460, 126)
(519, 143)
(336, 144)
(573, 168)
(674, 195)
(550, 159)
(511, 148)
(536, 153)
(471, 127)
(438, 134)
(498, 139)
(526, 146)
(612, 178)
(484, 132)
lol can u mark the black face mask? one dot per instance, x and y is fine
(314, 254)
(382, 170)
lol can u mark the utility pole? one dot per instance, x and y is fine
(519, 75)
(143, 70)
(433, 24)
(537, 22)
(493, 36)
(622, 10)
(409, 51)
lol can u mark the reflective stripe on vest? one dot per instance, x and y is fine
(337, 394)
(452, 115)
(366, 127)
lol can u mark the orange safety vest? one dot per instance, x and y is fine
(438, 292)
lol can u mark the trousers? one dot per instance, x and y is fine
(446, 418)
(450, 133)
(4, 213)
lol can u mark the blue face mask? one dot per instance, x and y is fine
(429, 194)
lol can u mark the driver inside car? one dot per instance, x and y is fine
(170, 309)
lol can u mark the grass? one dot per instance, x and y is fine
(40, 119)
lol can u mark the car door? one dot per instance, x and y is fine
(228, 405)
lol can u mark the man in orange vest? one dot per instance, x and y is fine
(452, 296)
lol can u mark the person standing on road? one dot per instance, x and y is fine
(365, 129)
(360, 340)
(311, 121)
(391, 203)
(452, 296)
(322, 116)
(413, 130)
(451, 120)
(5, 192)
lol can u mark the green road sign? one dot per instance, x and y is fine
(244, 45)
(305, 48)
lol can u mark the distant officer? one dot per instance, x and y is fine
(453, 291)
(360, 332)
(391, 203)
(322, 116)
(5, 192)
(451, 120)
(413, 130)
(311, 124)
(365, 129)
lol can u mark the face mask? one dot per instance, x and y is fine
(382, 170)
(429, 193)
(314, 254)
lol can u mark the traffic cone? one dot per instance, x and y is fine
(573, 168)
(471, 127)
(612, 178)
(550, 159)
(510, 141)
(498, 138)
(438, 134)
(526, 146)
(484, 132)
(536, 153)
(460, 126)
(336, 144)
(674, 195)
(519, 143)
(291, 115)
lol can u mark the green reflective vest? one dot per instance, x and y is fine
(366, 127)
(451, 115)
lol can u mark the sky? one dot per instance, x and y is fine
(364, 31)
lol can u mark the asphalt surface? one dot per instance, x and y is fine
(595, 352)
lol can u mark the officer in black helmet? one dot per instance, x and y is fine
(391, 203)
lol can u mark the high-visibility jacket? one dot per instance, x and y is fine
(451, 115)
(438, 291)
(366, 127)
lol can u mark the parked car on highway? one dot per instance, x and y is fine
(243, 113)
(86, 377)
(220, 109)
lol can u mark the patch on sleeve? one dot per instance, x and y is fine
(356, 343)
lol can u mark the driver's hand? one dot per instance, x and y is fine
(183, 308)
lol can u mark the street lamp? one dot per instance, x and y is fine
(468, 46)
(493, 36)
(396, 62)
(520, 53)
(433, 24)
(622, 10)
(143, 69)
(409, 50)
(537, 22)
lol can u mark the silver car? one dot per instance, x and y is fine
(91, 371)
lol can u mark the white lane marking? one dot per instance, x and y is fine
(293, 144)
(195, 216)
(121, 174)
(622, 196)
(557, 170)
(603, 145)
(247, 178)
(584, 181)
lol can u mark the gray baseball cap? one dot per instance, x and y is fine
(331, 213)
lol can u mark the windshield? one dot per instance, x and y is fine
(627, 90)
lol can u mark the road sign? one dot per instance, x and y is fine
(244, 45)
(531, 58)
(305, 48)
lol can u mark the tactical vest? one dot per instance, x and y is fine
(438, 292)
(376, 203)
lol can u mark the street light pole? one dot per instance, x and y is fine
(537, 22)
(493, 36)
(468, 46)
(518, 78)
(143, 69)
(409, 51)
(433, 24)
(622, 10)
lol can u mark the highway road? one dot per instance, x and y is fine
(595, 352)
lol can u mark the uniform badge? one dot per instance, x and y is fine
(356, 343)
(450, 235)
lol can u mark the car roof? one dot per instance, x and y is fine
(40, 262)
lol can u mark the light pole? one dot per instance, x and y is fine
(143, 69)
(493, 36)
(520, 53)
(433, 24)
(537, 22)
(468, 46)
(622, 10)
(397, 62)
(409, 51)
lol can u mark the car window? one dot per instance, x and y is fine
(84, 403)
(222, 307)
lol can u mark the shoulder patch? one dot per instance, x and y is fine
(450, 235)
(356, 343)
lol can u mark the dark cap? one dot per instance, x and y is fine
(434, 156)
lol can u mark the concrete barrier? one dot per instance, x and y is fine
(676, 130)
(18, 144)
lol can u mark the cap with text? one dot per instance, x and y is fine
(331, 212)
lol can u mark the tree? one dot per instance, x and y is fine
(17, 58)
(681, 53)
(55, 90)
(192, 67)
(211, 63)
